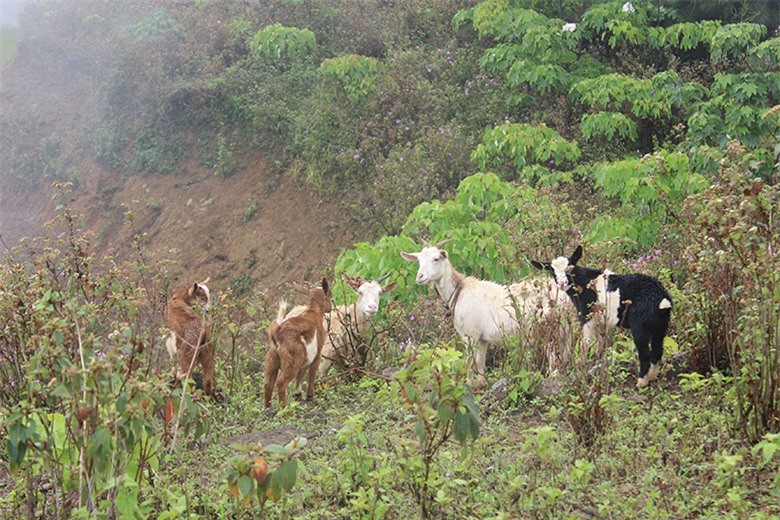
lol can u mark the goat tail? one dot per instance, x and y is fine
(282, 312)
(273, 328)
(170, 344)
(273, 338)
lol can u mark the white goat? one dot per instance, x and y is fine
(484, 312)
(345, 322)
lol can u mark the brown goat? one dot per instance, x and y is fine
(295, 346)
(190, 334)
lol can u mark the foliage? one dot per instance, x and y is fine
(648, 188)
(355, 74)
(732, 243)
(9, 39)
(527, 147)
(432, 387)
(108, 144)
(157, 153)
(249, 475)
(278, 43)
(84, 409)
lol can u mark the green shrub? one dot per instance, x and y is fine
(734, 275)
(355, 74)
(277, 43)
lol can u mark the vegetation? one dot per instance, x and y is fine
(646, 130)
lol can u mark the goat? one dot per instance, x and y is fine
(295, 346)
(345, 322)
(484, 312)
(636, 302)
(190, 334)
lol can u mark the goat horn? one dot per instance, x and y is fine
(302, 288)
(354, 282)
(207, 280)
(440, 244)
(383, 278)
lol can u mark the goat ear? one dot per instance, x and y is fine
(325, 287)
(193, 289)
(389, 287)
(539, 265)
(443, 253)
(575, 256)
(410, 257)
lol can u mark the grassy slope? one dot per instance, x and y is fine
(662, 456)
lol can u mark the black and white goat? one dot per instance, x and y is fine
(636, 302)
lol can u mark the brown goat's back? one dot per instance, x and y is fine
(295, 346)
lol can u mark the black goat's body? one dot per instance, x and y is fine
(644, 309)
(636, 302)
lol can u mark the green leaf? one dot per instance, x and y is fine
(245, 485)
(288, 473)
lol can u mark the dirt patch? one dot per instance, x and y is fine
(252, 230)
(276, 436)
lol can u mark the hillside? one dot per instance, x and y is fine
(256, 229)
(572, 206)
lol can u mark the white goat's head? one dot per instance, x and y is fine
(433, 263)
(199, 293)
(369, 292)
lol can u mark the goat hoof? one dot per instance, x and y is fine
(642, 382)
(652, 374)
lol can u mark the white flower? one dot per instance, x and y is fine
(628, 8)
(570, 27)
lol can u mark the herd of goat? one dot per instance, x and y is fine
(305, 341)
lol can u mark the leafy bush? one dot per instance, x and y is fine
(355, 74)
(278, 43)
(86, 410)
(108, 144)
(527, 147)
(432, 388)
(730, 244)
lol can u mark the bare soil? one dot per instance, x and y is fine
(204, 224)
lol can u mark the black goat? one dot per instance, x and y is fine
(636, 302)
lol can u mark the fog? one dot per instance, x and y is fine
(9, 11)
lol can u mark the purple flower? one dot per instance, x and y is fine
(356, 156)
